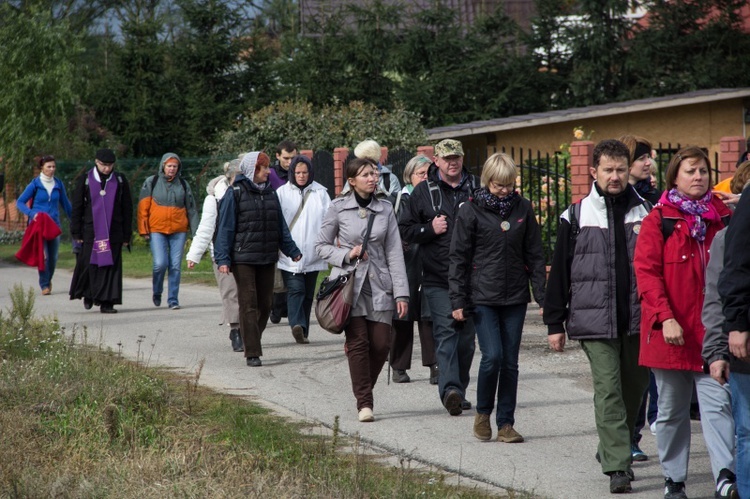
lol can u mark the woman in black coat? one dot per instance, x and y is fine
(496, 250)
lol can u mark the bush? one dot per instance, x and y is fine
(10, 236)
(322, 129)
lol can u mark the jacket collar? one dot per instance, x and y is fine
(376, 205)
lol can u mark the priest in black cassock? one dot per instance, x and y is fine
(100, 226)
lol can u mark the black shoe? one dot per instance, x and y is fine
(400, 376)
(726, 486)
(636, 453)
(434, 374)
(619, 482)
(107, 308)
(674, 490)
(157, 300)
(88, 303)
(465, 405)
(299, 334)
(452, 402)
(254, 362)
(236, 338)
(275, 319)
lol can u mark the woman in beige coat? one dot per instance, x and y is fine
(380, 283)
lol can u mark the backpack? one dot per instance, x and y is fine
(436, 195)
(155, 179)
(574, 211)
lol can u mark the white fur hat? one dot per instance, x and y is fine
(368, 149)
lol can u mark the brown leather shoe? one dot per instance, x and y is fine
(508, 435)
(47, 291)
(482, 428)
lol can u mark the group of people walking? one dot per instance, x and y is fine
(638, 277)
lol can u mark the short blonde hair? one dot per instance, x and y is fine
(368, 149)
(499, 168)
(414, 163)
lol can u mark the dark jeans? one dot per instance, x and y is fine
(300, 291)
(367, 345)
(648, 409)
(254, 295)
(499, 334)
(454, 346)
(51, 249)
(402, 344)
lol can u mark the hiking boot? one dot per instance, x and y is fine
(508, 435)
(452, 402)
(726, 486)
(157, 300)
(636, 453)
(236, 339)
(674, 490)
(298, 333)
(482, 427)
(434, 373)
(254, 362)
(400, 376)
(365, 415)
(619, 482)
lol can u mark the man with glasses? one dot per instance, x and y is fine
(428, 220)
(101, 224)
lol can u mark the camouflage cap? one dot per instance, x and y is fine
(449, 147)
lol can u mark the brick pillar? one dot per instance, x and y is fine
(383, 155)
(339, 161)
(428, 151)
(308, 153)
(731, 149)
(581, 159)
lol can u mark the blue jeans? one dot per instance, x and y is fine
(51, 248)
(499, 334)
(167, 250)
(454, 347)
(300, 290)
(740, 386)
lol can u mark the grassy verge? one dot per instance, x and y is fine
(86, 423)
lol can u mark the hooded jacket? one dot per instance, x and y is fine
(491, 265)
(307, 226)
(251, 229)
(671, 283)
(203, 238)
(166, 206)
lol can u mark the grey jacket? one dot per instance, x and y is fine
(343, 229)
(716, 341)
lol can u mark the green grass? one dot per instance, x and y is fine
(86, 423)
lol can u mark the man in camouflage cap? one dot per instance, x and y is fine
(428, 220)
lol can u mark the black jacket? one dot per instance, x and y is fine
(492, 266)
(734, 280)
(416, 223)
(251, 229)
(82, 220)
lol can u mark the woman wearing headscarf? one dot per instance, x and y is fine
(380, 279)
(670, 263)
(166, 212)
(403, 330)
(304, 203)
(45, 195)
(102, 223)
(203, 240)
(251, 232)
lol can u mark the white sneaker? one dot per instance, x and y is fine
(653, 428)
(365, 415)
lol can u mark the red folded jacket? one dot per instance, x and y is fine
(32, 246)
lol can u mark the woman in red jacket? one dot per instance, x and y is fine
(670, 265)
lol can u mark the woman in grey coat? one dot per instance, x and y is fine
(379, 280)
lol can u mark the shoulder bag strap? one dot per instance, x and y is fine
(299, 210)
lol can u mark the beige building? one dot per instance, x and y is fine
(696, 118)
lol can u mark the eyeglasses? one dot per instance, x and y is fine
(420, 174)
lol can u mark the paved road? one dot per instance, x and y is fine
(555, 411)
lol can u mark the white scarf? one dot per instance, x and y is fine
(47, 182)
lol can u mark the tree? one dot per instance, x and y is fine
(689, 46)
(37, 68)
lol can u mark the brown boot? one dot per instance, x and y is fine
(482, 428)
(508, 435)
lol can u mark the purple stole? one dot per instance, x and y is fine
(102, 206)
